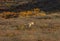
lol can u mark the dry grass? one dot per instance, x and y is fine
(8, 14)
(30, 12)
(33, 12)
(45, 28)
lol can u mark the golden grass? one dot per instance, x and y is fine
(34, 12)
(8, 14)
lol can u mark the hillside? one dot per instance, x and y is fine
(18, 5)
(29, 20)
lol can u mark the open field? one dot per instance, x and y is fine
(45, 28)
(29, 20)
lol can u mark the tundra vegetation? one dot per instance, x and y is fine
(33, 12)
(30, 25)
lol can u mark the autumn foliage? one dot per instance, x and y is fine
(33, 12)
(8, 14)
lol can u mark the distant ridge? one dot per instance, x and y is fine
(18, 5)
